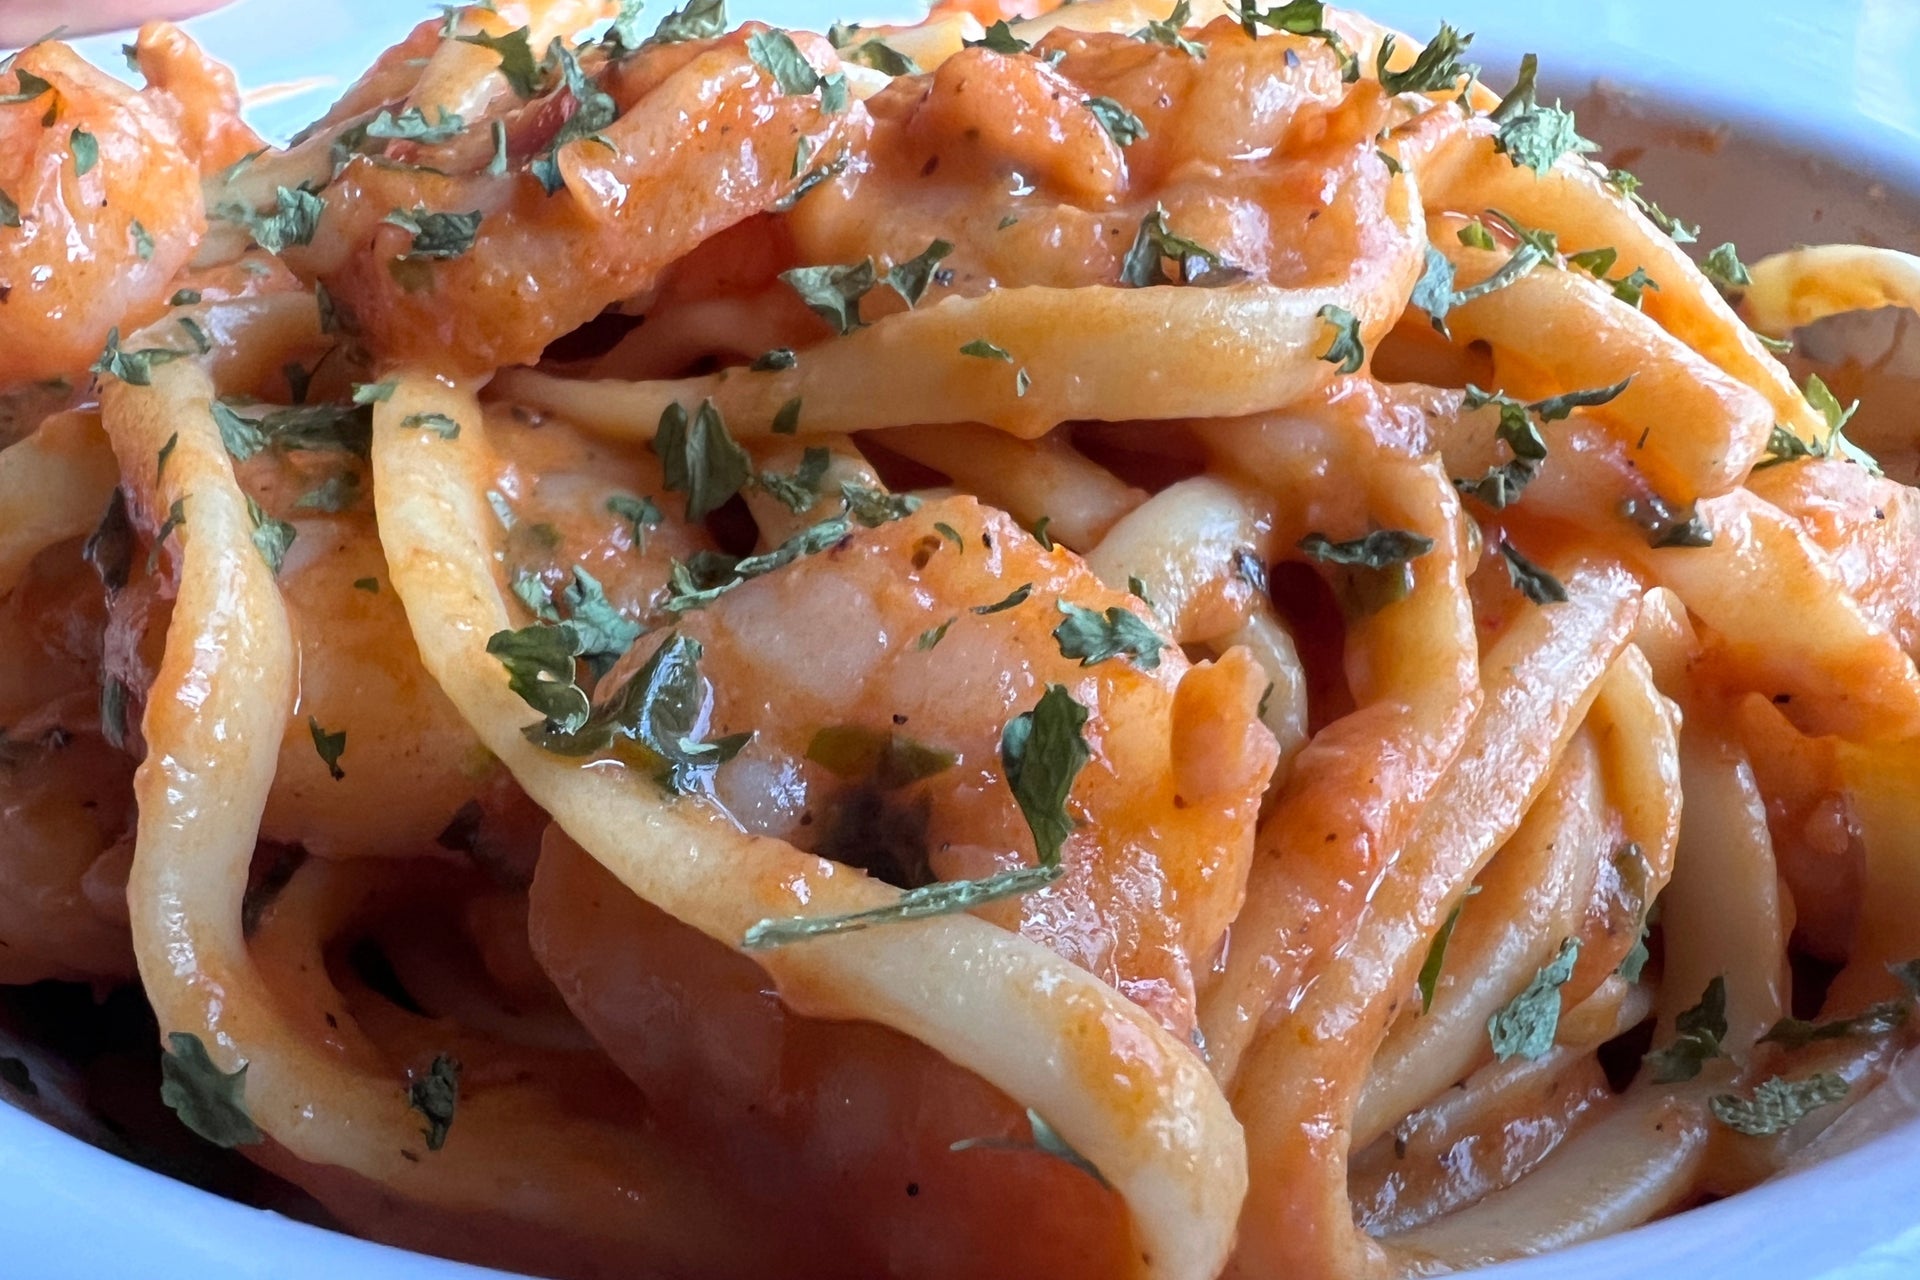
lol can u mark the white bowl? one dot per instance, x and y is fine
(1838, 80)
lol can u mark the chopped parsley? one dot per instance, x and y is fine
(1436, 70)
(698, 20)
(1041, 752)
(209, 1101)
(875, 507)
(1381, 549)
(271, 537)
(981, 349)
(933, 635)
(1778, 1104)
(882, 57)
(1346, 349)
(539, 661)
(1000, 39)
(602, 634)
(1013, 599)
(1091, 637)
(1502, 485)
(1629, 288)
(329, 746)
(833, 292)
(1723, 266)
(135, 368)
(775, 53)
(438, 423)
(1435, 294)
(1121, 125)
(911, 278)
(593, 111)
(9, 211)
(1525, 1027)
(1629, 187)
(517, 66)
(1429, 978)
(412, 125)
(639, 514)
(436, 236)
(1666, 527)
(786, 419)
(1528, 578)
(1699, 1033)
(142, 240)
(1875, 1019)
(295, 218)
(435, 1095)
(801, 490)
(176, 517)
(700, 458)
(1299, 18)
(1532, 135)
(1167, 31)
(1154, 244)
(774, 360)
(1784, 446)
(656, 711)
(307, 427)
(86, 152)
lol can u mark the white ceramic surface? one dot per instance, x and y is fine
(1839, 79)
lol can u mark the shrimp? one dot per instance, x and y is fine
(203, 94)
(701, 138)
(410, 764)
(65, 795)
(877, 677)
(1246, 153)
(102, 208)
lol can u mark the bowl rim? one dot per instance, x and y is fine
(77, 1210)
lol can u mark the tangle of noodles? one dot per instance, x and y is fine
(1136, 642)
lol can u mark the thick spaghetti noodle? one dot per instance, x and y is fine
(1117, 643)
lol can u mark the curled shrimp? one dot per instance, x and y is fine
(877, 677)
(1002, 157)
(203, 94)
(102, 209)
(700, 137)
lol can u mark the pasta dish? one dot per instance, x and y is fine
(1130, 641)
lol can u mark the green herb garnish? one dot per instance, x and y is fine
(1436, 70)
(1121, 125)
(435, 1095)
(271, 537)
(1525, 1027)
(1346, 350)
(911, 278)
(1778, 1104)
(1530, 134)
(209, 1101)
(700, 458)
(1699, 1033)
(833, 292)
(1092, 637)
(329, 746)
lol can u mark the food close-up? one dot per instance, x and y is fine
(1114, 642)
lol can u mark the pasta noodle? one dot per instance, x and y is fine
(1131, 641)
